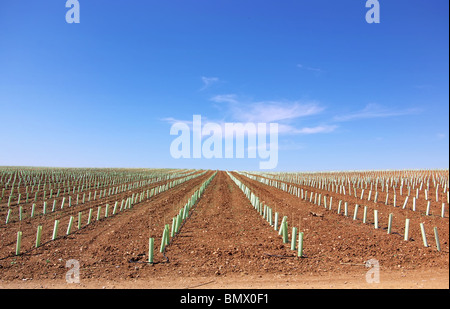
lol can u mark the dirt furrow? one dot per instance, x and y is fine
(226, 236)
(334, 242)
(104, 247)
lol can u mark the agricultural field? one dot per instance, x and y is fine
(173, 228)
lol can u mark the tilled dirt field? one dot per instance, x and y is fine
(225, 243)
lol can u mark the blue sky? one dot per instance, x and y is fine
(346, 94)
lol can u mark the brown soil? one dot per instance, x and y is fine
(225, 243)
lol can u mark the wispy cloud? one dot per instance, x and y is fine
(424, 87)
(316, 129)
(316, 71)
(225, 98)
(208, 81)
(267, 111)
(287, 114)
(440, 135)
(271, 111)
(172, 120)
(375, 111)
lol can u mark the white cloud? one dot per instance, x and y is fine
(172, 120)
(282, 112)
(424, 87)
(317, 129)
(271, 111)
(285, 113)
(316, 71)
(225, 98)
(375, 111)
(208, 81)
(267, 111)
